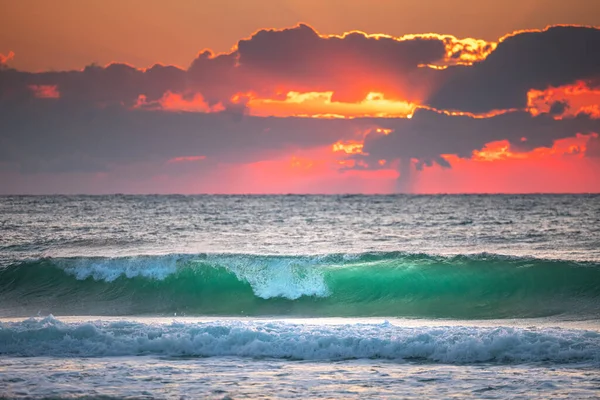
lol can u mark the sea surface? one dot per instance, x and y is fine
(469, 296)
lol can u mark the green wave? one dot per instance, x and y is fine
(374, 284)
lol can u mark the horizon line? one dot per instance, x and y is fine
(302, 194)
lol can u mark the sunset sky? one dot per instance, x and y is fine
(282, 96)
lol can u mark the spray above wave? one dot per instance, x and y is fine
(370, 284)
(51, 337)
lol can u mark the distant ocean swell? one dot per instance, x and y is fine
(455, 345)
(338, 285)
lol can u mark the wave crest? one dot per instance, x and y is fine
(371, 284)
(455, 345)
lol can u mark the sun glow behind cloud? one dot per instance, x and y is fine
(458, 51)
(300, 106)
(565, 101)
(495, 168)
(502, 150)
(348, 147)
(193, 102)
(319, 170)
(321, 105)
(186, 159)
(45, 91)
(491, 169)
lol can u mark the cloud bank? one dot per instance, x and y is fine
(409, 103)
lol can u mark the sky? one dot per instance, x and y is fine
(286, 96)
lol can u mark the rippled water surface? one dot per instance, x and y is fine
(224, 296)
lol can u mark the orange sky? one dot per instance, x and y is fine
(58, 35)
(69, 34)
(494, 169)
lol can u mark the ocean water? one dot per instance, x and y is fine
(480, 296)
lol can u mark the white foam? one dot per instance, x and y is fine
(286, 277)
(451, 344)
(109, 269)
(269, 277)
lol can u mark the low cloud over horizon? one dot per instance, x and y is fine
(294, 111)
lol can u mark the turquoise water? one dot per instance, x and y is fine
(452, 295)
(360, 285)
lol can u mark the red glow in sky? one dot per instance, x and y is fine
(306, 99)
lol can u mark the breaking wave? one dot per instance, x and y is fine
(274, 339)
(371, 284)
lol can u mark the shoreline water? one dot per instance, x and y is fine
(304, 339)
(233, 310)
(591, 323)
(225, 358)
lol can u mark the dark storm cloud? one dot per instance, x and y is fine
(300, 51)
(113, 84)
(58, 137)
(299, 59)
(351, 65)
(91, 126)
(293, 59)
(529, 60)
(558, 107)
(428, 135)
(49, 137)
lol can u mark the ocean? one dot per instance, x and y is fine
(350, 296)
